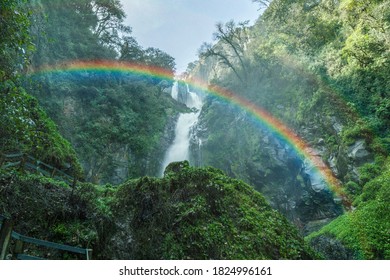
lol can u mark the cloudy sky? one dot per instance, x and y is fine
(179, 27)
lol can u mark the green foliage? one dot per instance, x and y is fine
(307, 62)
(132, 52)
(366, 230)
(15, 42)
(109, 121)
(41, 207)
(114, 122)
(351, 59)
(26, 128)
(74, 233)
(322, 67)
(47, 209)
(353, 190)
(70, 30)
(88, 30)
(189, 214)
(368, 172)
(342, 43)
(156, 57)
(360, 130)
(230, 48)
(202, 214)
(109, 17)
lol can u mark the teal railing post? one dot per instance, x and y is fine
(88, 254)
(5, 237)
(2, 159)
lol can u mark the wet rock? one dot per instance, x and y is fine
(331, 249)
(358, 153)
(332, 161)
(121, 160)
(342, 163)
(337, 126)
(315, 225)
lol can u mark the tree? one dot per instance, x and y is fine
(15, 42)
(262, 3)
(109, 26)
(190, 67)
(130, 50)
(78, 29)
(230, 48)
(156, 57)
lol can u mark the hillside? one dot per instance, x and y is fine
(189, 214)
(290, 133)
(321, 67)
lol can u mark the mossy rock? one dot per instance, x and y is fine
(201, 214)
(191, 214)
(175, 167)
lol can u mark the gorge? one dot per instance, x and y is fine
(274, 144)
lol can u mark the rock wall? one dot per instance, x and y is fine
(106, 159)
(229, 140)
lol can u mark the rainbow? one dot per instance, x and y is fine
(105, 66)
(256, 112)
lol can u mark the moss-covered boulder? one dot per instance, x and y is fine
(199, 214)
(191, 213)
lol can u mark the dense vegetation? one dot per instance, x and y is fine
(189, 214)
(25, 127)
(323, 68)
(201, 214)
(364, 232)
(320, 66)
(196, 209)
(115, 122)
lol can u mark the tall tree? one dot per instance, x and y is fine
(157, 57)
(230, 48)
(263, 3)
(78, 29)
(130, 50)
(15, 43)
(109, 26)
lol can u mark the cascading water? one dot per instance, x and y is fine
(175, 90)
(179, 150)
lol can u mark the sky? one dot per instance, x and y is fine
(179, 27)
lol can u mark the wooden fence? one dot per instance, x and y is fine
(18, 252)
(31, 164)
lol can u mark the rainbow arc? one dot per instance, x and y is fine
(257, 113)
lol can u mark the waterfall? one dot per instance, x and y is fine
(193, 99)
(179, 150)
(175, 90)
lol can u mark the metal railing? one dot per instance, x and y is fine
(18, 252)
(31, 164)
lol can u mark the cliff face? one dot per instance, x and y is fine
(230, 140)
(207, 69)
(323, 70)
(119, 129)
